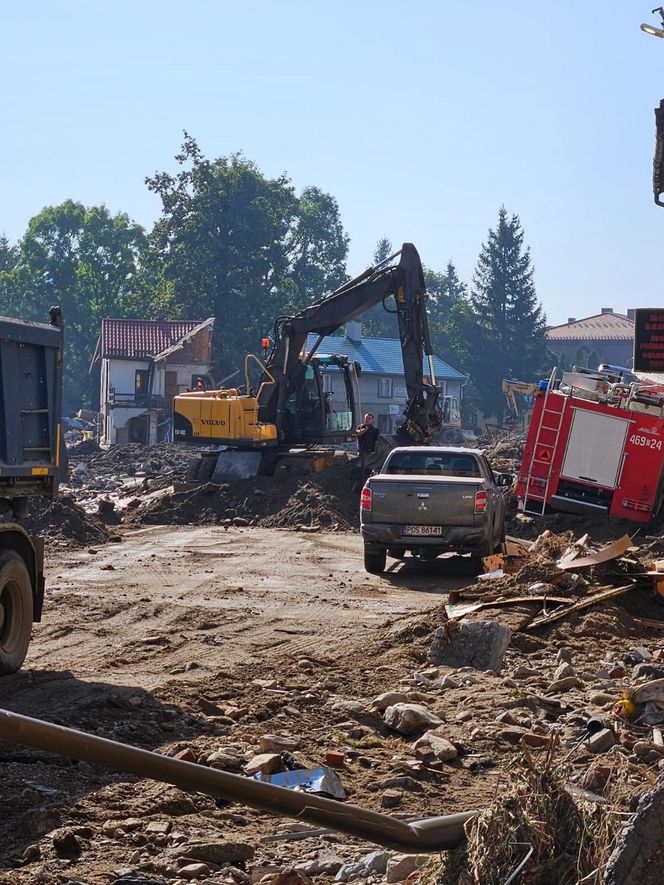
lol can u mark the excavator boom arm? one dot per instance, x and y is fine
(406, 282)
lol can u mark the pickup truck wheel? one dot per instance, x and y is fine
(15, 611)
(375, 559)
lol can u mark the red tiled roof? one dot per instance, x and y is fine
(136, 339)
(601, 327)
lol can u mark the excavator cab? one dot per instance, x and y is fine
(321, 405)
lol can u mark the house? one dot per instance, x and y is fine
(607, 337)
(382, 385)
(144, 364)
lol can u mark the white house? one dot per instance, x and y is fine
(144, 364)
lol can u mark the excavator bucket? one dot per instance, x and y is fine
(236, 465)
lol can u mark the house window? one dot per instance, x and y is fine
(385, 388)
(327, 382)
(141, 383)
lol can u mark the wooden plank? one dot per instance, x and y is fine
(579, 606)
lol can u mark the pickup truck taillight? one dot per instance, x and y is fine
(365, 498)
(480, 502)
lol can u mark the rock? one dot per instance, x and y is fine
(448, 682)
(602, 698)
(410, 718)
(346, 871)
(601, 741)
(388, 699)
(265, 763)
(240, 521)
(565, 684)
(401, 866)
(403, 782)
(288, 877)
(536, 740)
(390, 799)
(563, 671)
(441, 748)
(186, 755)
(335, 758)
(276, 743)
(322, 866)
(564, 654)
(506, 718)
(159, 827)
(219, 852)
(225, 760)
(357, 711)
(66, 844)
(376, 862)
(616, 673)
(648, 671)
(194, 871)
(523, 672)
(511, 735)
(478, 644)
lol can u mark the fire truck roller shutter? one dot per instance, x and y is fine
(595, 448)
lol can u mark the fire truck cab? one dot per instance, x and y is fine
(595, 445)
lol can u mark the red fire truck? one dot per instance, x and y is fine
(595, 445)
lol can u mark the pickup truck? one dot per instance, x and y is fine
(432, 500)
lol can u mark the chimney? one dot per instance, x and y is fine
(607, 310)
(354, 331)
(571, 319)
(631, 313)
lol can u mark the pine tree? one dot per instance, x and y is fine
(508, 340)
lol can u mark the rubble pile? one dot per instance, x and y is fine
(292, 501)
(64, 522)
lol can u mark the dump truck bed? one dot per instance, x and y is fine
(30, 408)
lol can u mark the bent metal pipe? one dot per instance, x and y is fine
(429, 835)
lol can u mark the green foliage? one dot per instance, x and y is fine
(509, 324)
(381, 321)
(85, 260)
(233, 244)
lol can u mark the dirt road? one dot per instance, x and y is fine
(198, 637)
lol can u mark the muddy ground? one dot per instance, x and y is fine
(197, 620)
(205, 639)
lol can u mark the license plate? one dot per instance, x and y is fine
(423, 530)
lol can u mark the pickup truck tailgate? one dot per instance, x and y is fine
(430, 501)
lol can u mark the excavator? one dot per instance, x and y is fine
(289, 414)
(509, 388)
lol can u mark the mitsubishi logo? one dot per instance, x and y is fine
(423, 505)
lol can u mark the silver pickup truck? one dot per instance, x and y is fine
(432, 500)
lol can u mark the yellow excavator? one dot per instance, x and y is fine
(509, 388)
(290, 409)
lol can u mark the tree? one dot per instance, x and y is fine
(509, 323)
(85, 260)
(450, 318)
(317, 247)
(233, 244)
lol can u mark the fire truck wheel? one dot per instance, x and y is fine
(15, 611)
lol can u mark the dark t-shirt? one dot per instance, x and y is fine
(367, 442)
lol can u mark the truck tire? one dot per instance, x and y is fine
(15, 611)
(375, 559)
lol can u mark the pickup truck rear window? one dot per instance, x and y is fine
(424, 464)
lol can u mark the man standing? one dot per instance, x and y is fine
(367, 434)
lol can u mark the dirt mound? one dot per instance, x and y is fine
(64, 521)
(132, 457)
(328, 499)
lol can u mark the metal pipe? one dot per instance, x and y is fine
(430, 835)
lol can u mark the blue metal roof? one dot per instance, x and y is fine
(382, 356)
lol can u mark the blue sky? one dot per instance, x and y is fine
(420, 118)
